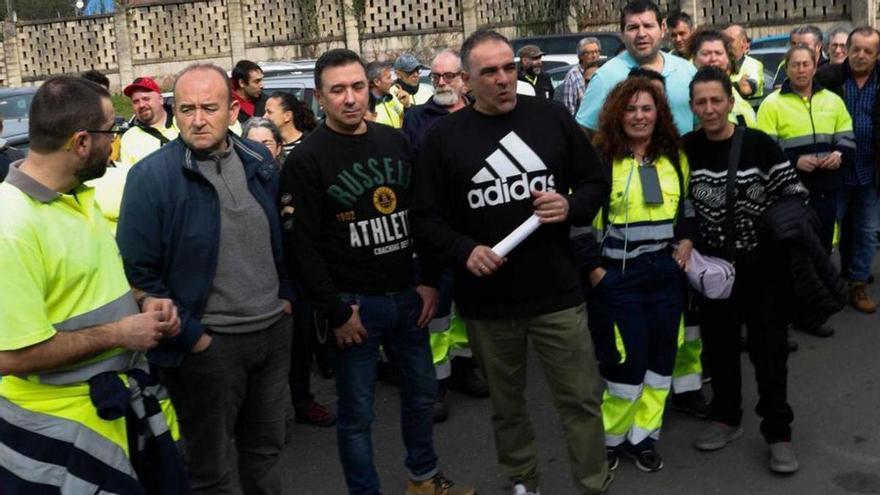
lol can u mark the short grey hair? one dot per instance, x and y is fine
(588, 41)
(842, 28)
(261, 122)
(375, 70)
(810, 29)
(206, 67)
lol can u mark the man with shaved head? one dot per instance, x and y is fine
(200, 224)
(749, 81)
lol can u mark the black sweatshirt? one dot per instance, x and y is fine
(462, 201)
(764, 175)
(345, 203)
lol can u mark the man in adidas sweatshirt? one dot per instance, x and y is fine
(481, 172)
(345, 198)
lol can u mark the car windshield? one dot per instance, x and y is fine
(15, 106)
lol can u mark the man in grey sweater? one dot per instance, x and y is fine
(199, 223)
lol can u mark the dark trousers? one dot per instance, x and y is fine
(234, 389)
(635, 316)
(755, 301)
(825, 204)
(307, 324)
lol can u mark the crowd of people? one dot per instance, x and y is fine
(168, 282)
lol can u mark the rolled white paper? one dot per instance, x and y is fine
(519, 234)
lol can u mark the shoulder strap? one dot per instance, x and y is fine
(732, 166)
(152, 131)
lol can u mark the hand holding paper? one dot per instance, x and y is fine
(519, 234)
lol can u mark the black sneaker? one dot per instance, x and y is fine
(692, 403)
(648, 460)
(613, 458)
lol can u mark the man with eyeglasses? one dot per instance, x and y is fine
(589, 50)
(406, 88)
(453, 361)
(71, 328)
(448, 97)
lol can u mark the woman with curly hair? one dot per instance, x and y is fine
(637, 296)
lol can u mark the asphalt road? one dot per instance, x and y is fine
(833, 388)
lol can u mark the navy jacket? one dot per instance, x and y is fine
(169, 232)
(418, 120)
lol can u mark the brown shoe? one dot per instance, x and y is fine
(438, 485)
(859, 298)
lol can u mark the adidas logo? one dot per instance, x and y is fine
(513, 171)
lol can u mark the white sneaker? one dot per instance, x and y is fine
(520, 489)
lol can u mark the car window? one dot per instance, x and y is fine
(303, 94)
(558, 77)
(15, 107)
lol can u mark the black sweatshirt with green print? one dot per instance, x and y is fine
(345, 203)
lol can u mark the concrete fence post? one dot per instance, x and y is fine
(864, 12)
(468, 16)
(11, 54)
(123, 46)
(350, 26)
(236, 30)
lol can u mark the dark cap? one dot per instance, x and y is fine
(530, 51)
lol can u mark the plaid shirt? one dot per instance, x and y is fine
(573, 89)
(860, 103)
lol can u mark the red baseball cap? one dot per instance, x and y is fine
(142, 84)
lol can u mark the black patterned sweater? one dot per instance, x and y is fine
(764, 175)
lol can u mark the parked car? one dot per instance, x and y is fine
(301, 85)
(771, 58)
(566, 44)
(15, 106)
(774, 41)
(285, 68)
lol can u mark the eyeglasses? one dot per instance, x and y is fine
(115, 129)
(447, 76)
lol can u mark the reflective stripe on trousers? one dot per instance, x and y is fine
(40, 449)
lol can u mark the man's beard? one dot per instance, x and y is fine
(533, 70)
(95, 166)
(446, 98)
(146, 117)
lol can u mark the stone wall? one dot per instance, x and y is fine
(161, 37)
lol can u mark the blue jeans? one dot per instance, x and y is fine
(391, 321)
(859, 212)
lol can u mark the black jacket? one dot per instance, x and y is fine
(8, 155)
(543, 86)
(818, 291)
(833, 77)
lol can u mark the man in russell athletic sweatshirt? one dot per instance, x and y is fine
(514, 156)
(345, 199)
